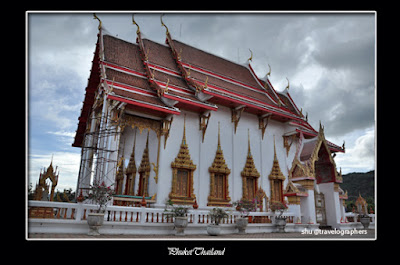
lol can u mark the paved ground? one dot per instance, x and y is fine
(366, 234)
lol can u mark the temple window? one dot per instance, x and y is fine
(182, 175)
(250, 176)
(219, 172)
(182, 183)
(276, 179)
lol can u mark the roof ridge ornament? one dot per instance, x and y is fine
(162, 24)
(251, 56)
(287, 87)
(269, 73)
(134, 22)
(96, 17)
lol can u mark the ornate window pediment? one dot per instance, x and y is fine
(276, 179)
(250, 176)
(182, 175)
(219, 172)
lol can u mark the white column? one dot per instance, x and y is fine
(307, 205)
(332, 204)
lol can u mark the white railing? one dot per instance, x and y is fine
(353, 217)
(79, 211)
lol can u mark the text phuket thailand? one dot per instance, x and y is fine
(195, 251)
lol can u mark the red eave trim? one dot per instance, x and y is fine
(181, 99)
(260, 84)
(163, 69)
(295, 194)
(249, 99)
(131, 88)
(292, 101)
(143, 104)
(121, 68)
(221, 77)
(239, 101)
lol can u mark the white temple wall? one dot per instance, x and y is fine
(234, 146)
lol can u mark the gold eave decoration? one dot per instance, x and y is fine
(236, 115)
(288, 141)
(203, 123)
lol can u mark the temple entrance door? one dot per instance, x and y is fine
(320, 211)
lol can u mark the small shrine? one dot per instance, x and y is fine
(43, 189)
(361, 205)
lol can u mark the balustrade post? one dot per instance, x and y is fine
(142, 215)
(79, 211)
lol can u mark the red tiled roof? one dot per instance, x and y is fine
(122, 53)
(140, 74)
(215, 64)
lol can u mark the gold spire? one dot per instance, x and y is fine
(183, 159)
(248, 141)
(249, 169)
(219, 165)
(95, 17)
(132, 164)
(134, 22)
(276, 172)
(219, 140)
(184, 130)
(145, 163)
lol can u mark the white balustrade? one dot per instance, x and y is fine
(79, 211)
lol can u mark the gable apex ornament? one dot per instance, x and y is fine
(134, 22)
(96, 17)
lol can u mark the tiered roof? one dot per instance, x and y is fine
(161, 79)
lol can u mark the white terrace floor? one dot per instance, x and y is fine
(319, 235)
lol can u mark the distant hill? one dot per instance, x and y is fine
(356, 183)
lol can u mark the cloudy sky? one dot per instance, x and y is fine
(328, 58)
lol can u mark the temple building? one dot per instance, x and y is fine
(169, 121)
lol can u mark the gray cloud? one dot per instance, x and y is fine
(328, 58)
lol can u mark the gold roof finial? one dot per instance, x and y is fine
(269, 73)
(251, 56)
(95, 17)
(134, 22)
(287, 87)
(162, 24)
